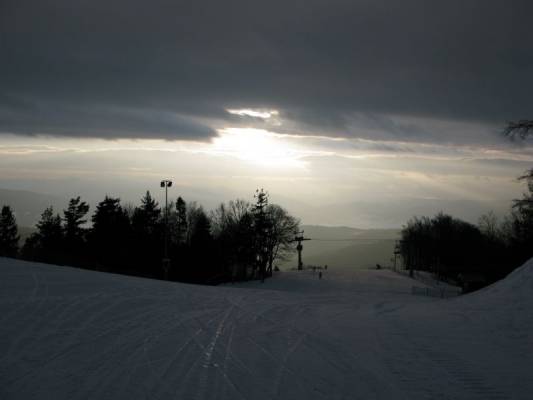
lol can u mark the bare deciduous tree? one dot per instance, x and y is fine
(521, 129)
(282, 229)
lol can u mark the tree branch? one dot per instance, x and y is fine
(521, 129)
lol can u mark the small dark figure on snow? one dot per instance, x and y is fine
(320, 275)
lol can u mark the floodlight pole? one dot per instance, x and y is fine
(166, 261)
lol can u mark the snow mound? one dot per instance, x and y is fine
(507, 303)
(517, 285)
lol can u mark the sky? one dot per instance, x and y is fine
(359, 113)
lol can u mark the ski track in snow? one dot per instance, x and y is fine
(73, 334)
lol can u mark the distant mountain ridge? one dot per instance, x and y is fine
(394, 213)
(345, 247)
(28, 206)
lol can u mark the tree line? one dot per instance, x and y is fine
(457, 250)
(238, 240)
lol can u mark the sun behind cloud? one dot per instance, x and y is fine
(259, 147)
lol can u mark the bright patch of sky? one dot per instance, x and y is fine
(248, 112)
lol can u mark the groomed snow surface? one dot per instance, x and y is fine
(73, 334)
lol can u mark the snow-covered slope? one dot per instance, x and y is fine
(75, 334)
(516, 287)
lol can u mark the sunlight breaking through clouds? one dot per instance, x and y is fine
(255, 113)
(259, 147)
(346, 173)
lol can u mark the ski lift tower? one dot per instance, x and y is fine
(166, 260)
(299, 238)
(397, 252)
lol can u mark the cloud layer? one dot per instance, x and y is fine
(170, 69)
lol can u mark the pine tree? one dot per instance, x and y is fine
(46, 244)
(147, 217)
(9, 237)
(73, 218)
(50, 232)
(108, 214)
(201, 267)
(261, 224)
(49, 226)
(110, 235)
(148, 236)
(181, 212)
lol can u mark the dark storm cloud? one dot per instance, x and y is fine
(169, 69)
(57, 118)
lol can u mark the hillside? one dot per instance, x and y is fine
(28, 206)
(70, 334)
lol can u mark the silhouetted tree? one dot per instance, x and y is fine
(520, 224)
(181, 220)
(495, 254)
(30, 249)
(9, 237)
(519, 227)
(177, 231)
(200, 229)
(110, 237)
(233, 229)
(147, 217)
(526, 202)
(281, 229)
(73, 221)
(488, 225)
(444, 245)
(47, 243)
(148, 236)
(73, 218)
(262, 227)
(237, 238)
(193, 212)
(200, 261)
(521, 129)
